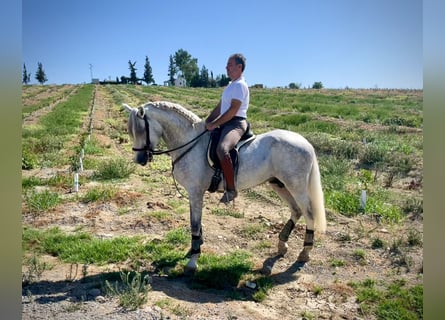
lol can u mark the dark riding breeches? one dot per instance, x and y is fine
(231, 133)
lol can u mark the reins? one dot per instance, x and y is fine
(152, 152)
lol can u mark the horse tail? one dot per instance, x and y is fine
(317, 198)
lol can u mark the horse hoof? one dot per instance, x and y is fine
(191, 266)
(189, 271)
(303, 257)
(266, 270)
(282, 247)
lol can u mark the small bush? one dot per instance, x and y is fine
(377, 243)
(98, 194)
(30, 182)
(39, 202)
(414, 238)
(115, 169)
(29, 160)
(132, 290)
(35, 269)
(372, 154)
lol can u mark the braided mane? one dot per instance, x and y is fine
(170, 106)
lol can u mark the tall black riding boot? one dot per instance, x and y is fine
(229, 175)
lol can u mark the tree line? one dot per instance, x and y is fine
(40, 75)
(181, 64)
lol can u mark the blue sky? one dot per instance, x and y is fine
(359, 44)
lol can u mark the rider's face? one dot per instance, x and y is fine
(234, 70)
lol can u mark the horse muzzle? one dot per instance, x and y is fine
(142, 157)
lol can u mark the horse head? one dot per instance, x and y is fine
(144, 132)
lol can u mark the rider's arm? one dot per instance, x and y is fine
(215, 113)
(235, 104)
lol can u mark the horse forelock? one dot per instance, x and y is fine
(177, 108)
(134, 125)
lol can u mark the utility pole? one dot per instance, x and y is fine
(91, 72)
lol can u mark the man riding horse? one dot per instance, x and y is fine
(230, 116)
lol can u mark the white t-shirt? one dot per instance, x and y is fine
(238, 90)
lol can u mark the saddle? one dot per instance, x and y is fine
(213, 160)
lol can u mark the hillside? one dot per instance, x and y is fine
(124, 218)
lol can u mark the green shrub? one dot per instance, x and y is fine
(132, 290)
(118, 168)
(372, 154)
(377, 243)
(39, 202)
(29, 159)
(98, 194)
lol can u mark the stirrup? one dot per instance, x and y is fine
(228, 196)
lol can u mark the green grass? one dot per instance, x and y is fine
(222, 271)
(228, 211)
(82, 247)
(116, 168)
(40, 202)
(389, 301)
(101, 193)
(42, 143)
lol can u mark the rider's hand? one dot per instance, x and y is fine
(211, 126)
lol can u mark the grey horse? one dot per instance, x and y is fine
(283, 158)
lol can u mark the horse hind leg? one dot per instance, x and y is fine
(296, 213)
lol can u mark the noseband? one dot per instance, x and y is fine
(147, 147)
(150, 152)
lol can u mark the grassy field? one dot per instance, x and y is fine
(366, 141)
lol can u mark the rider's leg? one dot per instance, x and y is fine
(229, 175)
(230, 135)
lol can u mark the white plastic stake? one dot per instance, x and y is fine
(76, 182)
(81, 164)
(363, 200)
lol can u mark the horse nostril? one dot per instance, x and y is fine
(142, 158)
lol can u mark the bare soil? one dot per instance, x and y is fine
(316, 289)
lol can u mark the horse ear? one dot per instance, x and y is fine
(141, 112)
(127, 107)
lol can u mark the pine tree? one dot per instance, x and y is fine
(171, 70)
(26, 76)
(205, 82)
(148, 73)
(40, 74)
(133, 77)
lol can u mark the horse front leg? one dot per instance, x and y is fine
(196, 228)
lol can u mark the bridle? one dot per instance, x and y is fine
(150, 152)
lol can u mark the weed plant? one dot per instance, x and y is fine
(118, 168)
(99, 194)
(35, 269)
(132, 290)
(40, 202)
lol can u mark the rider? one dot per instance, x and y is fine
(230, 115)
